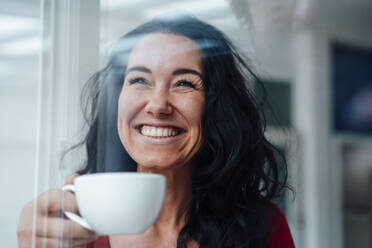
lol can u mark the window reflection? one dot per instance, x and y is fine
(19, 74)
(290, 43)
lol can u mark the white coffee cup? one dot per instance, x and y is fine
(118, 203)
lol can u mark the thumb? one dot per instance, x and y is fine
(70, 179)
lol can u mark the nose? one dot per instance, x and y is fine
(158, 104)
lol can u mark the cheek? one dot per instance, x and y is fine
(122, 110)
(128, 106)
(192, 108)
(129, 102)
(196, 109)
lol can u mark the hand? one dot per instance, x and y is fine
(42, 222)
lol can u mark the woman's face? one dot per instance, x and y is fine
(161, 102)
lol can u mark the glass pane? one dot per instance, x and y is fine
(50, 49)
(170, 98)
(19, 75)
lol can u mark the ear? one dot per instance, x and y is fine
(70, 179)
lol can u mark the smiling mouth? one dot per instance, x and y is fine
(158, 132)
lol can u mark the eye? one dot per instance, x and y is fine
(185, 83)
(138, 80)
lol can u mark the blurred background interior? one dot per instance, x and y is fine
(314, 56)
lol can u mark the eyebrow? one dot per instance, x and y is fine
(186, 71)
(176, 72)
(139, 68)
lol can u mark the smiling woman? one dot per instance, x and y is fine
(161, 103)
(185, 111)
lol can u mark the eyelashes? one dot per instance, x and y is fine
(184, 83)
(137, 80)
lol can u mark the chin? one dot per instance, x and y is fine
(157, 165)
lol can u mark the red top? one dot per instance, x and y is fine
(279, 237)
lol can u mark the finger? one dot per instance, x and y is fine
(70, 179)
(41, 242)
(52, 227)
(26, 220)
(55, 201)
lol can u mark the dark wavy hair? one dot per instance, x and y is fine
(235, 174)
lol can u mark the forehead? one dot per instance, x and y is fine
(166, 51)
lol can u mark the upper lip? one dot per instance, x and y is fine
(164, 125)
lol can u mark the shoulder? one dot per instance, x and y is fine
(279, 235)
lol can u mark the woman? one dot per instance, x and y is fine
(184, 111)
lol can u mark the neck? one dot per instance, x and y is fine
(177, 198)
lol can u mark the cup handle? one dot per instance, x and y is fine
(72, 216)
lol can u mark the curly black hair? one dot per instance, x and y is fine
(235, 174)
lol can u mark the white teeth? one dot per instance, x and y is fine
(158, 131)
(147, 131)
(153, 132)
(165, 132)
